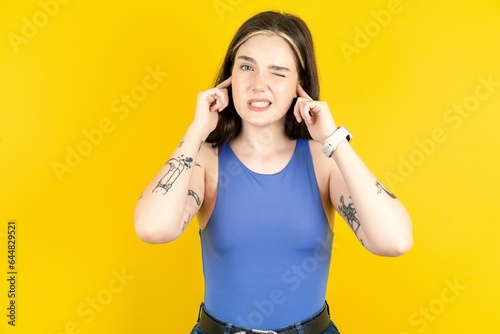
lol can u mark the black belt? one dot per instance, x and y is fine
(315, 326)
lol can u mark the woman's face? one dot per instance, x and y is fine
(264, 80)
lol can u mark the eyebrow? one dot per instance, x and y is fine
(272, 67)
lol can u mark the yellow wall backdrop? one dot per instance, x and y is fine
(94, 95)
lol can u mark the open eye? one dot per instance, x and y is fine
(246, 67)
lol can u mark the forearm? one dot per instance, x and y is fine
(384, 223)
(159, 214)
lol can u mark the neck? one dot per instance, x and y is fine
(262, 139)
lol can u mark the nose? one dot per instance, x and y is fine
(259, 83)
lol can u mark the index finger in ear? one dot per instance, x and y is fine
(302, 92)
(224, 84)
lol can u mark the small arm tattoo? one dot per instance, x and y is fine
(176, 167)
(195, 196)
(381, 187)
(349, 213)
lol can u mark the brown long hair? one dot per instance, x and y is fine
(295, 31)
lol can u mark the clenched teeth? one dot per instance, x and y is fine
(262, 104)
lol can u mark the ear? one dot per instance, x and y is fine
(300, 82)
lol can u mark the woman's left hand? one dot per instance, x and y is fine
(316, 114)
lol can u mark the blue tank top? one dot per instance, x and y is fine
(266, 248)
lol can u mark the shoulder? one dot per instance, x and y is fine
(324, 171)
(204, 163)
(207, 153)
(317, 155)
(323, 166)
(208, 160)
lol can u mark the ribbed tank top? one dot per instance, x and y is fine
(266, 248)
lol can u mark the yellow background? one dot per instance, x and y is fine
(66, 69)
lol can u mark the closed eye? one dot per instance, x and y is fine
(279, 70)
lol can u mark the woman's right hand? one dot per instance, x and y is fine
(209, 103)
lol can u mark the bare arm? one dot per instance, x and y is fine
(176, 193)
(375, 215)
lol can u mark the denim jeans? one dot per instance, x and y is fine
(331, 329)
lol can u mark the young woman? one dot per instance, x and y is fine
(263, 166)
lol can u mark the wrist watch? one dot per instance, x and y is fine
(331, 143)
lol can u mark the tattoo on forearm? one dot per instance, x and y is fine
(195, 196)
(180, 144)
(381, 187)
(177, 166)
(349, 213)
